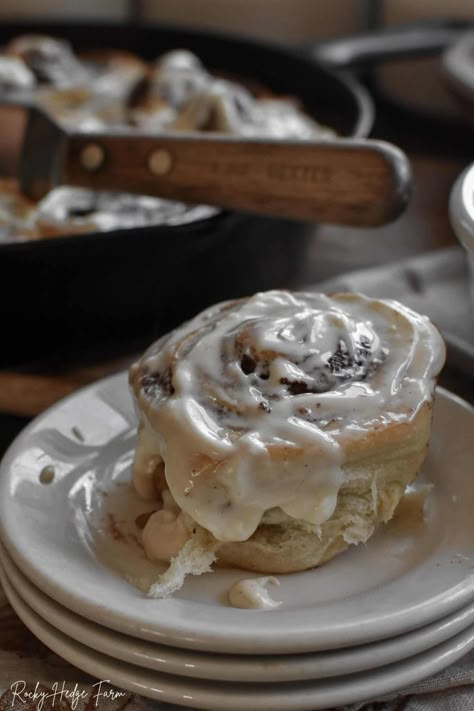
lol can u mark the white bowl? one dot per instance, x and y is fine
(461, 212)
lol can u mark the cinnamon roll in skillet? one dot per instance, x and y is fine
(14, 76)
(51, 60)
(107, 89)
(281, 428)
(179, 94)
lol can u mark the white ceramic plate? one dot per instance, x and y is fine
(400, 580)
(303, 695)
(232, 667)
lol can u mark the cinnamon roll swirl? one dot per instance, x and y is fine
(285, 425)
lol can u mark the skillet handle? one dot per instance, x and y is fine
(406, 41)
(359, 183)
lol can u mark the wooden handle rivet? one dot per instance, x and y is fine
(159, 162)
(92, 156)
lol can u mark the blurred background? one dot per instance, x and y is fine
(288, 21)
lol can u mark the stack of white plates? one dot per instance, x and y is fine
(370, 622)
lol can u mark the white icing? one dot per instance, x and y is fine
(147, 461)
(14, 74)
(165, 532)
(252, 593)
(183, 96)
(164, 535)
(239, 437)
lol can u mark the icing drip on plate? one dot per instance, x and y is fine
(250, 404)
(252, 593)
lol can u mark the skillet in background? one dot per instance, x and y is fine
(73, 296)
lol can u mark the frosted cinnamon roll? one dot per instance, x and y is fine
(51, 60)
(100, 104)
(74, 210)
(179, 94)
(113, 72)
(171, 80)
(15, 76)
(227, 107)
(285, 425)
(71, 211)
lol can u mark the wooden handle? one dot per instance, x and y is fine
(359, 183)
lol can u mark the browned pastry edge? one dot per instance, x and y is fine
(378, 468)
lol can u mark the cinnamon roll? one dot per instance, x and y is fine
(226, 107)
(15, 76)
(114, 72)
(283, 427)
(179, 94)
(76, 210)
(72, 211)
(51, 60)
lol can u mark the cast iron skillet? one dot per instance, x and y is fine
(71, 296)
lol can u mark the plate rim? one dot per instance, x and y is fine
(307, 696)
(295, 638)
(240, 668)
